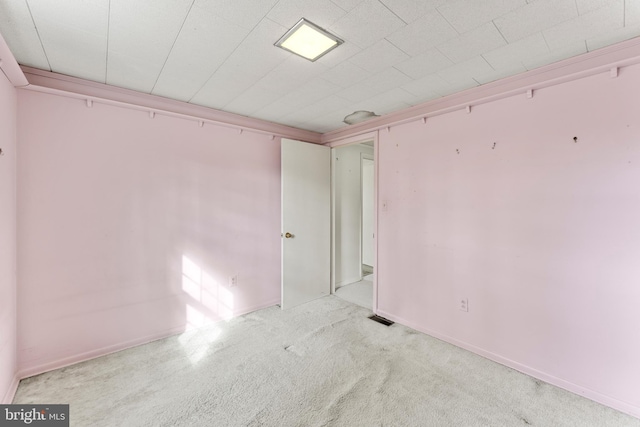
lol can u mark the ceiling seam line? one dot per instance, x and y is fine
(396, 15)
(403, 73)
(400, 49)
(172, 46)
(346, 11)
(445, 55)
(223, 62)
(256, 83)
(545, 41)
(500, 32)
(447, 21)
(232, 52)
(485, 60)
(39, 37)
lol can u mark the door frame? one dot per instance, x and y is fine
(359, 139)
(364, 157)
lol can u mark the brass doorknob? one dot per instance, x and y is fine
(288, 235)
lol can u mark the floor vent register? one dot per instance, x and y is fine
(385, 322)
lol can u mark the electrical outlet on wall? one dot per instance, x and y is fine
(233, 281)
(464, 304)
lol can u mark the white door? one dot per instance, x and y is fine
(306, 222)
(367, 211)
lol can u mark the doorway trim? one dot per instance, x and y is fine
(359, 139)
(371, 158)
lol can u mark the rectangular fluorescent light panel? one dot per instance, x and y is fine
(308, 40)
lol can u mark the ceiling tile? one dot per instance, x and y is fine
(295, 69)
(427, 88)
(473, 43)
(535, 17)
(87, 16)
(321, 12)
(244, 13)
(225, 85)
(386, 102)
(460, 74)
(289, 76)
(555, 55)
(466, 15)
(18, 30)
(374, 85)
(426, 63)
(379, 56)
(610, 38)
(339, 54)
(513, 55)
(586, 6)
(632, 13)
(253, 99)
(347, 5)
(461, 85)
(330, 121)
(367, 23)
(131, 72)
(345, 74)
(257, 52)
(322, 128)
(423, 34)
(325, 106)
(309, 93)
(492, 76)
(589, 25)
(316, 89)
(78, 54)
(138, 48)
(203, 44)
(255, 57)
(410, 10)
(74, 36)
(272, 112)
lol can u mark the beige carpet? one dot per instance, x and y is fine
(321, 364)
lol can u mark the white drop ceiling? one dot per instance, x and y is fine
(220, 53)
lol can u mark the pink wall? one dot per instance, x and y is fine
(540, 233)
(7, 239)
(129, 227)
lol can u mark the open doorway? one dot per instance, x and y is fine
(353, 223)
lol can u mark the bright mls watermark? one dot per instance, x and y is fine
(34, 415)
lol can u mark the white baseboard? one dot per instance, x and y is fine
(612, 402)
